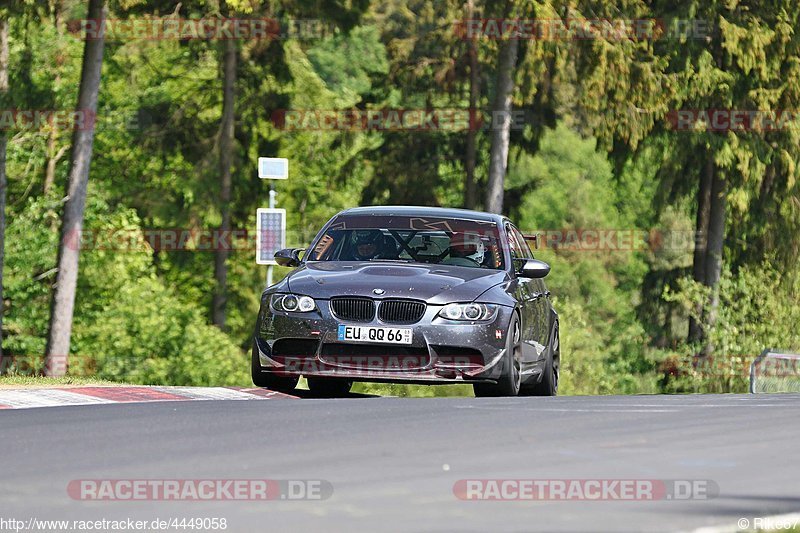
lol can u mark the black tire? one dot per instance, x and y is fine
(510, 380)
(548, 384)
(268, 380)
(329, 387)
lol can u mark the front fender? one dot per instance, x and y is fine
(500, 294)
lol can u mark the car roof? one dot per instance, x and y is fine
(419, 211)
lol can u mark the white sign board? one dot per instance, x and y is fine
(273, 168)
(270, 234)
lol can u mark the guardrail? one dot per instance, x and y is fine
(775, 371)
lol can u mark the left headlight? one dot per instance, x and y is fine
(469, 312)
(294, 303)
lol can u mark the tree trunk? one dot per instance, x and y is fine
(716, 228)
(53, 157)
(472, 132)
(701, 238)
(716, 241)
(501, 134)
(52, 154)
(3, 180)
(225, 147)
(62, 307)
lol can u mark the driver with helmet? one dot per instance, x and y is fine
(466, 250)
(373, 244)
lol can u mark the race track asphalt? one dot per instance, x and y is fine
(393, 462)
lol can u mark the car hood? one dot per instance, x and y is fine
(436, 284)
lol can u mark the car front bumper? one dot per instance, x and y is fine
(441, 351)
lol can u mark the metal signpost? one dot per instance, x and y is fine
(271, 222)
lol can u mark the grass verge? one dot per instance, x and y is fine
(19, 381)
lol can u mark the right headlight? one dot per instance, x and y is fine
(293, 303)
(471, 312)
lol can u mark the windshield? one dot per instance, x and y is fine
(466, 243)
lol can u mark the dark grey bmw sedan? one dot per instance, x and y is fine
(410, 295)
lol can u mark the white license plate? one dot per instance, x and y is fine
(375, 334)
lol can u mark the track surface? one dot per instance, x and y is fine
(393, 462)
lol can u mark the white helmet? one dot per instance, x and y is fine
(480, 250)
(469, 246)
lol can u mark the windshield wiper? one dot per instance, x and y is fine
(381, 260)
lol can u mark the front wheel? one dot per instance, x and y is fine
(548, 385)
(269, 380)
(509, 382)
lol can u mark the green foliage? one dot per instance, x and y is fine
(347, 63)
(594, 362)
(30, 257)
(594, 153)
(129, 325)
(758, 309)
(570, 189)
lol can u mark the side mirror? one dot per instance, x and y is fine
(533, 268)
(288, 257)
